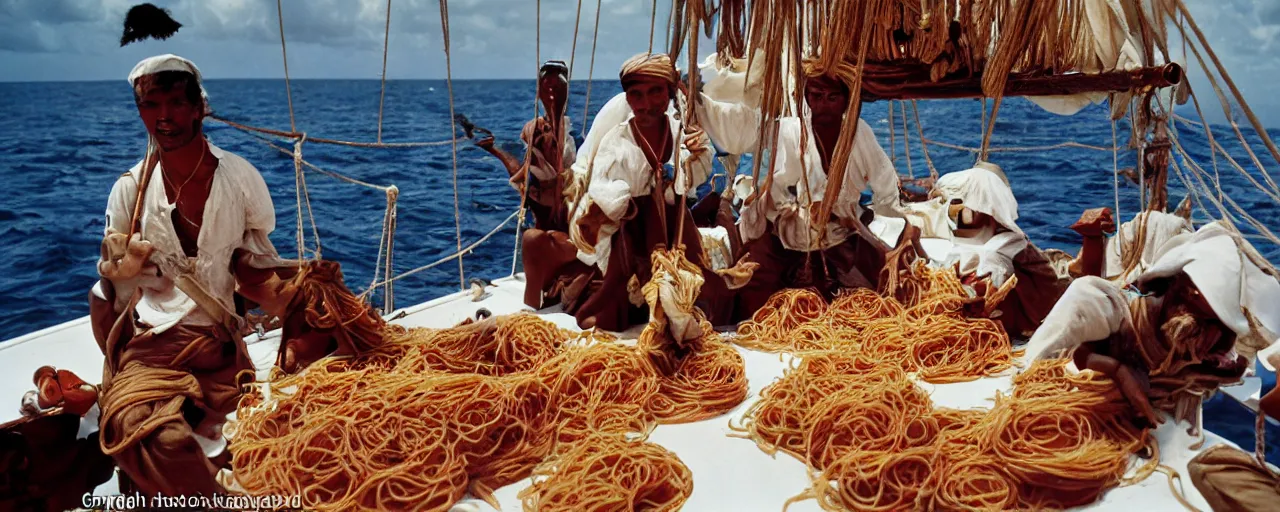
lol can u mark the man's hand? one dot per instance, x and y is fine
(123, 258)
(485, 143)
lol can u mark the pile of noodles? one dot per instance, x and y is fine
(876, 442)
(923, 330)
(850, 410)
(432, 415)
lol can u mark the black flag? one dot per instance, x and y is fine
(146, 20)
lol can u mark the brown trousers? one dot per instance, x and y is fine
(156, 388)
(854, 263)
(1039, 288)
(606, 304)
(1233, 481)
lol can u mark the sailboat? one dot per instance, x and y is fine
(909, 50)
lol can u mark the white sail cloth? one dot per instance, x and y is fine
(1114, 46)
(1159, 229)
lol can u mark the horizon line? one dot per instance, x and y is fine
(442, 79)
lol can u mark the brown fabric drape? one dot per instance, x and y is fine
(155, 391)
(608, 300)
(1233, 481)
(1039, 288)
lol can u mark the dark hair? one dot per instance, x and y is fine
(167, 81)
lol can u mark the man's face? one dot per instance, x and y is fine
(827, 98)
(170, 117)
(649, 98)
(1187, 319)
(553, 91)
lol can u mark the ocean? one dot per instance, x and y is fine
(62, 145)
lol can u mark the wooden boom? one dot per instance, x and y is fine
(897, 82)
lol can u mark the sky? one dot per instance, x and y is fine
(71, 40)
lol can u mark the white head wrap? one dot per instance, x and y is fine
(169, 62)
(982, 190)
(1214, 258)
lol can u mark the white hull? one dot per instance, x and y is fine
(729, 473)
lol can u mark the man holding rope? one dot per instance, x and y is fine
(552, 271)
(777, 228)
(186, 230)
(638, 172)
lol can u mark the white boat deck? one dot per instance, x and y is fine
(729, 473)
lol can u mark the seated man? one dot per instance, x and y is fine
(185, 228)
(631, 205)
(186, 239)
(1178, 332)
(980, 214)
(777, 229)
(550, 262)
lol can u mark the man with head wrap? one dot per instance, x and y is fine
(550, 259)
(976, 209)
(636, 173)
(186, 229)
(1194, 320)
(777, 228)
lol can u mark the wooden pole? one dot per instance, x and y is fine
(885, 82)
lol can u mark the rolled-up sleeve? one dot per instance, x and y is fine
(259, 220)
(875, 170)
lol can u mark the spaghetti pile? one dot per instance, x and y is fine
(432, 415)
(610, 473)
(703, 385)
(879, 444)
(923, 330)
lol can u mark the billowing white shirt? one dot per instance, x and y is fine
(621, 171)
(798, 182)
(239, 214)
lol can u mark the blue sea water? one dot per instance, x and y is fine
(62, 145)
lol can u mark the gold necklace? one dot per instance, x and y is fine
(177, 196)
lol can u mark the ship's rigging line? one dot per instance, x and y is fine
(448, 70)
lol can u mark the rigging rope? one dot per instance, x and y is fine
(448, 69)
(386, 37)
(288, 91)
(924, 147)
(1115, 184)
(319, 140)
(893, 145)
(906, 141)
(573, 51)
(457, 255)
(1017, 149)
(653, 20)
(586, 104)
(528, 155)
(1248, 112)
